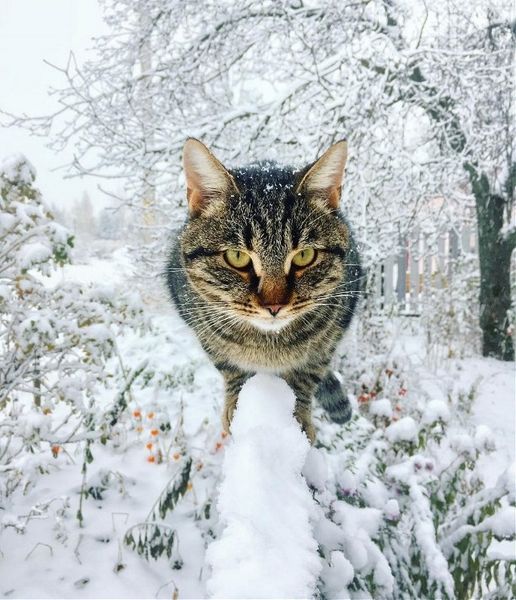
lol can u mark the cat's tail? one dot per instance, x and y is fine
(332, 398)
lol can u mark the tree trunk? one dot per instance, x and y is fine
(495, 274)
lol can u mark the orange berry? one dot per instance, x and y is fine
(224, 434)
(150, 415)
(395, 418)
(218, 446)
(151, 458)
(139, 429)
(154, 432)
(189, 486)
(176, 456)
(137, 414)
(56, 450)
(149, 445)
(398, 407)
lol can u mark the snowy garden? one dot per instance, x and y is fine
(117, 479)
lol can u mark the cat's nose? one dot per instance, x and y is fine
(274, 308)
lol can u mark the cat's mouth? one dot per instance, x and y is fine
(274, 324)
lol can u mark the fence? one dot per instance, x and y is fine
(406, 281)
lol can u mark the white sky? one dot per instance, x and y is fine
(31, 31)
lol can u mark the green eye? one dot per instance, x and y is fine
(237, 258)
(303, 258)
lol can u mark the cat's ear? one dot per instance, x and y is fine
(324, 176)
(206, 177)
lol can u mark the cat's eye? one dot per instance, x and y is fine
(237, 258)
(303, 258)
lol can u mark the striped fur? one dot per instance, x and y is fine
(270, 216)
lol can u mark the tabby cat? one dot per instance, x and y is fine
(266, 273)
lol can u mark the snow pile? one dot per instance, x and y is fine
(381, 408)
(404, 430)
(436, 410)
(503, 523)
(267, 548)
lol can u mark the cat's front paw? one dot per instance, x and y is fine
(309, 430)
(307, 427)
(227, 415)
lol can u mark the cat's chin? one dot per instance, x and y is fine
(273, 326)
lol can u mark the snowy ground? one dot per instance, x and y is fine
(45, 554)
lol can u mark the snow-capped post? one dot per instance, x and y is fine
(266, 547)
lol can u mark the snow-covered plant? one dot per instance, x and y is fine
(410, 515)
(402, 508)
(154, 538)
(55, 338)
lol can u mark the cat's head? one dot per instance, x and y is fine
(264, 244)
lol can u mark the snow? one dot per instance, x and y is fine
(264, 504)
(110, 275)
(436, 410)
(392, 510)
(33, 253)
(495, 406)
(484, 438)
(463, 443)
(503, 549)
(315, 469)
(358, 519)
(16, 167)
(255, 521)
(6, 221)
(338, 574)
(502, 523)
(508, 230)
(381, 502)
(381, 408)
(404, 430)
(348, 483)
(358, 527)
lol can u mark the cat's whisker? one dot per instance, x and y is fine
(213, 305)
(213, 325)
(222, 324)
(333, 296)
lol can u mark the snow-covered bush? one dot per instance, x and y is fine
(408, 514)
(55, 338)
(401, 505)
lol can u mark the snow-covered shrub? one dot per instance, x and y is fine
(402, 509)
(55, 339)
(153, 538)
(409, 514)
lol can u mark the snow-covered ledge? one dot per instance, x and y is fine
(266, 548)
